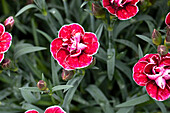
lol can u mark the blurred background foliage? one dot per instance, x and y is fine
(106, 87)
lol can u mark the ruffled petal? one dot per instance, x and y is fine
(139, 67)
(32, 111)
(85, 60)
(56, 44)
(6, 37)
(65, 32)
(152, 89)
(160, 81)
(165, 62)
(2, 29)
(62, 54)
(111, 9)
(140, 79)
(147, 57)
(156, 92)
(1, 57)
(149, 68)
(91, 49)
(73, 61)
(76, 28)
(167, 20)
(54, 109)
(4, 46)
(127, 12)
(106, 3)
(133, 1)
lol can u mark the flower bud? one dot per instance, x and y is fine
(167, 39)
(162, 49)
(156, 37)
(30, 1)
(98, 11)
(6, 63)
(9, 22)
(67, 75)
(42, 85)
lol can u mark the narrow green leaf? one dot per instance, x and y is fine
(32, 89)
(135, 101)
(151, 26)
(45, 35)
(145, 38)
(55, 78)
(26, 50)
(66, 8)
(110, 63)
(4, 93)
(99, 31)
(127, 43)
(161, 106)
(57, 15)
(28, 106)
(83, 4)
(25, 8)
(70, 93)
(60, 87)
(140, 52)
(125, 110)
(100, 98)
(33, 24)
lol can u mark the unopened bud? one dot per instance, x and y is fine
(156, 37)
(6, 63)
(30, 1)
(67, 75)
(167, 39)
(9, 22)
(162, 50)
(42, 85)
(98, 11)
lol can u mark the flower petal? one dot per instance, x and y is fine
(106, 3)
(91, 42)
(140, 79)
(85, 60)
(139, 67)
(167, 20)
(32, 111)
(4, 46)
(165, 62)
(76, 28)
(156, 92)
(56, 44)
(54, 109)
(147, 57)
(2, 29)
(6, 37)
(160, 81)
(133, 1)
(1, 57)
(149, 68)
(152, 89)
(65, 32)
(72, 61)
(127, 12)
(62, 54)
(111, 10)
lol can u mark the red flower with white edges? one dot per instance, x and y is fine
(167, 20)
(123, 9)
(52, 109)
(153, 71)
(5, 41)
(73, 49)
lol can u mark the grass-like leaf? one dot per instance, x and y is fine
(110, 63)
(100, 98)
(60, 87)
(25, 8)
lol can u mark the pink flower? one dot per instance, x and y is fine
(167, 20)
(153, 71)
(5, 41)
(73, 49)
(9, 22)
(52, 109)
(123, 9)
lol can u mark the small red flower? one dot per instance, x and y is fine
(5, 41)
(167, 20)
(123, 9)
(73, 49)
(52, 109)
(153, 71)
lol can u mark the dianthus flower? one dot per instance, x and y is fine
(5, 41)
(123, 9)
(52, 109)
(73, 49)
(153, 71)
(167, 20)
